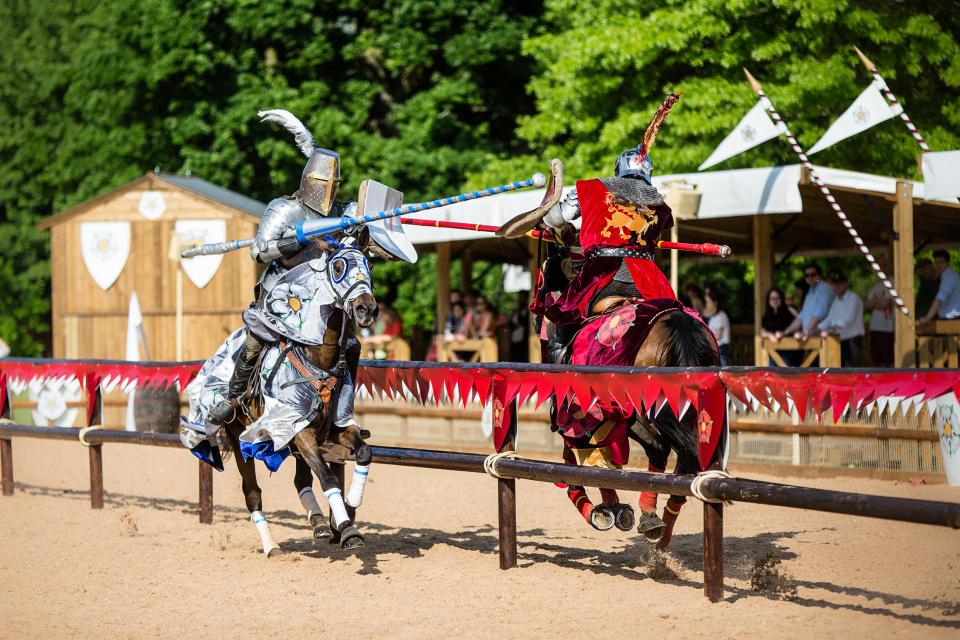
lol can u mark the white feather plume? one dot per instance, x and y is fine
(303, 136)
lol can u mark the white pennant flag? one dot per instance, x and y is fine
(869, 109)
(134, 337)
(754, 129)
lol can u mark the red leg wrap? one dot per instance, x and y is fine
(648, 499)
(578, 496)
(670, 513)
(609, 496)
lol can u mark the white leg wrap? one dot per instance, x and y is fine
(260, 522)
(335, 499)
(309, 502)
(359, 481)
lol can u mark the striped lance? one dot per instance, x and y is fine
(864, 249)
(318, 226)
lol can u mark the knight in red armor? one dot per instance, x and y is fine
(617, 287)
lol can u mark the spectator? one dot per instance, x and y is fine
(845, 319)
(947, 303)
(880, 305)
(776, 318)
(520, 329)
(693, 296)
(777, 315)
(719, 323)
(454, 328)
(816, 304)
(800, 290)
(387, 327)
(470, 306)
(929, 284)
(485, 320)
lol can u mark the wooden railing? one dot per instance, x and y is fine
(816, 351)
(393, 349)
(479, 350)
(938, 343)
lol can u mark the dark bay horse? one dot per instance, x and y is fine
(318, 297)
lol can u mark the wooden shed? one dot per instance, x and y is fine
(106, 249)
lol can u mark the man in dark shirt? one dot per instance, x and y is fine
(929, 284)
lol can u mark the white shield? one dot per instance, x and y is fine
(105, 247)
(388, 234)
(152, 205)
(52, 398)
(201, 269)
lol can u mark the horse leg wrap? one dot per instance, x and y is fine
(337, 508)
(355, 496)
(266, 538)
(648, 499)
(578, 496)
(309, 502)
(609, 496)
(670, 512)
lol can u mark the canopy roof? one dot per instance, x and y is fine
(803, 220)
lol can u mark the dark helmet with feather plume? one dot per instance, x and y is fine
(636, 162)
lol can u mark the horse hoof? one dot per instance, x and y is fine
(602, 518)
(651, 527)
(275, 552)
(351, 538)
(321, 531)
(624, 518)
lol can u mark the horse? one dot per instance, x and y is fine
(663, 334)
(298, 388)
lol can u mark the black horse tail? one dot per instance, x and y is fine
(688, 343)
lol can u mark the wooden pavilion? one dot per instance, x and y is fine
(123, 241)
(765, 214)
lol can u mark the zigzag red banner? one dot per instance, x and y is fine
(778, 390)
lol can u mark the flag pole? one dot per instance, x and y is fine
(864, 249)
(892, 99)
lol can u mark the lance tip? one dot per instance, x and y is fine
(866, 61)
(539, 179)
(753, 81)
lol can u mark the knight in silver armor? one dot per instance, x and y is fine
(276, 245)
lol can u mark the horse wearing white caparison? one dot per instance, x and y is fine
(301, 399)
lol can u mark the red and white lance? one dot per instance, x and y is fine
(864, 249)
(892, 99)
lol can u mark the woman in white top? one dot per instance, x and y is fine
(719, 323)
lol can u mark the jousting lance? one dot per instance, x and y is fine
(307, 229)
(705, 248)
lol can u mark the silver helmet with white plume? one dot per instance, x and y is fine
(321, 174)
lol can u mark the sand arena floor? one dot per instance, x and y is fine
(144, 567)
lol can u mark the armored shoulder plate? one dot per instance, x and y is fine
(280, 216)
(567, 210)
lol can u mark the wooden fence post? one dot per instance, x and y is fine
(206, 492)
(713, 551)
(95, 450)
(506, 487)
(6, 465)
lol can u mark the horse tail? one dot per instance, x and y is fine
(688, 344)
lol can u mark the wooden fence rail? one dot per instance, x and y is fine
(509, 469)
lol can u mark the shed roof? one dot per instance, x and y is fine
(194, 186)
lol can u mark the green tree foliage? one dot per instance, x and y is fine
(607, 65)
(93, 93)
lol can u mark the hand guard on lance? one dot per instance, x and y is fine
(318, 226)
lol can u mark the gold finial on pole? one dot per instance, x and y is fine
(753, 81)
(866, 61)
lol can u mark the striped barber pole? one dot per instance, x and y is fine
(864, 249)
(892, 99)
